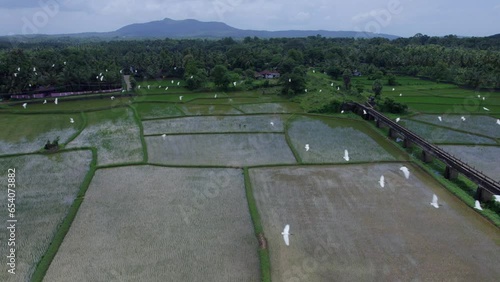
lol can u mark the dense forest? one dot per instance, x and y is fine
(80, 65)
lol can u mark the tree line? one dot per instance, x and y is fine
(79, 65)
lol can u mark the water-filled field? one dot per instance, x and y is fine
(215, 124)
(149, 223)
(46, 186)
(220, 149)
(346, 227)
(483, 158)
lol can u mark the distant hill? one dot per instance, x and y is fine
(197, 29)
(169, 28)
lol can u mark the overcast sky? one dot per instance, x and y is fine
(398, 17)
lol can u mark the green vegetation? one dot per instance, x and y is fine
(265, 261)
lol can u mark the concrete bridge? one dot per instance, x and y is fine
(487, 187)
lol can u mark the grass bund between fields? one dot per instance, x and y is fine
(125, 134)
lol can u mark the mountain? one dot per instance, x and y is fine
(197, 29)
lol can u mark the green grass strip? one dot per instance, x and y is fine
(265, 261)
(141, 133)
(289, 141)
(44, 263)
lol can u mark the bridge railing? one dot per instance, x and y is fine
(481, 179)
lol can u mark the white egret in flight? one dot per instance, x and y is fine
(178, 83)
(45, 101)
(321, 90)
(400, 94)
(180, 98)
(346, 155)
(342, 111)
(24, 105)
(406, 172)
(271, 123)
(463, 118)
(434, 202)
(15, 74)
(498, 121)
(331, 84)
(18, 69)
(286, 233)
(440, 118)
(477, 205)
(71, 120)
(56, 101)
(338, 88)
(382, 181)
(306, 147)
(305, 90)
(164, 136)
(398, 119)
(112, 97)
(172, 81)
(364, 112)
(289, 80)
(215, 96)
(486, 109)
(234, 83)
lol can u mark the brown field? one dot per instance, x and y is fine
(347, 228)
(147, 223)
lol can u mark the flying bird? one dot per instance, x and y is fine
(234, 83)
(498, 121)
(121, 71)
(382, 181)
(71, 120)
(398, 119)
(24, 105)
(342, 111)
(486, 109)
(393, 89)
(440, 119)
(314, 71)
(56, 101)
(406, 172)
(307, 147)
(477, 205)
(400, 94)
(346, 155)
(215, 96)
(289, 80)
(45, 101)
(191, 77)
(479, 96)
(178, 83)
(149, 86)
(364, 112)
(138, 87)
(463, 118)
(15, 74)
(166, 88)
(305, 90)
(18, 69)
(180, 98)
(102, 77)
(271, 123)
(164, 136)
(172, 81)
(338, 88)
(434, 202)
(34, 69)
(286, 233)
(112, 97)
(64, 62)
(331, 84)
(484, 98)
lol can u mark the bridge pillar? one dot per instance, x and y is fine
(392, 133)
(426, 156)
(406, 142)
(483, 195)
(450, 173)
